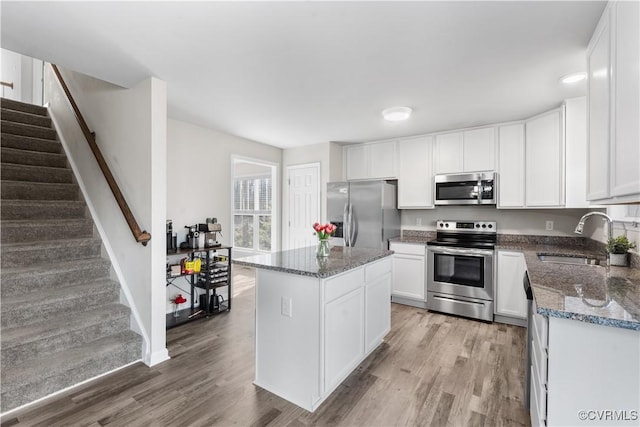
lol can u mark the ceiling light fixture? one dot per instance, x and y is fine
(574, 77)
(396, 114)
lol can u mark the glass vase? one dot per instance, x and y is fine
(323, 248)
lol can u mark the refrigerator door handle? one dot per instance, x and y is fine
(352, 227)
(345, 224)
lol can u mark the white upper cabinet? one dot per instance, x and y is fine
(613, 59)
(625, 141)
(511, 166)
(357, 162)
(544, 160)
(371, 161)
(448, 153)
(576, 152)
(479, 150)
(468, 151)
(415, 173)
(598, 65)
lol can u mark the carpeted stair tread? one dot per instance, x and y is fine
(24, 190)
(62, 324)
(32, 254)
(14, 231)
(68, 330)
(43, 366)
(25, 118)
(32, 278)
(11, 104)
(20, 172)
(33, 307)
(33, 299)
(45, 374)
(27, 130)
(30, 144)
(42, 209)
(33, 158)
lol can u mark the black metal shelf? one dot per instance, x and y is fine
(202, 280)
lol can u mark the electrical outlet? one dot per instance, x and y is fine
(419, 222)
(549, 225)
(286, 307)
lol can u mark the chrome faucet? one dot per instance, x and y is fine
(607, 218)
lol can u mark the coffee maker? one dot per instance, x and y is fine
(211, 229)
(193, 237)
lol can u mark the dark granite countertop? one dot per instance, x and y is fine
(413, 240)
(605, 296)
(304, 262)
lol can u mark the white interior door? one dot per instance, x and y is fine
(304, 204)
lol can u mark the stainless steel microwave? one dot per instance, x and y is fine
(475, 188)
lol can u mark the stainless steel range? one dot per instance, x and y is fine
(460, 268)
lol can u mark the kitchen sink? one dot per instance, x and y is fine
(569, 259)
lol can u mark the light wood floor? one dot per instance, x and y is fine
(432, 369)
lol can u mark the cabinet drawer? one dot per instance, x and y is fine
(540, 330)
(408, 248)
(538, 404)
(343, 284)
(377, 269)
(539, 361)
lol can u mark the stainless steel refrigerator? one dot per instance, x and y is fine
(365, 213)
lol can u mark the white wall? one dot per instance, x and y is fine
(523, 221)
(329, 155)
(199, 181)
(130, 126)
(199, 174)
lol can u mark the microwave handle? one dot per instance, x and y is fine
(480, 188)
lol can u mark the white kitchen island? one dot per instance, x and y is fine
(317, 319)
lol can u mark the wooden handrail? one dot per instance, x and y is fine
(7, 84)
(140, 236)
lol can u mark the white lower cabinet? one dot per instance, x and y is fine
(378, 310)
(357, 316)
(344, 338)
(510, 297)
(539, 356)
(311, 332)
(589, 376)
(409, 274)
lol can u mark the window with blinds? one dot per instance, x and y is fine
(253, 205)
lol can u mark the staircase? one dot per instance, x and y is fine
(60, 316)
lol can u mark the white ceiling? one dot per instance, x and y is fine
(298, 73)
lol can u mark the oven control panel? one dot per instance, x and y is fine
(467, 226)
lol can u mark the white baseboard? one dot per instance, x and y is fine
(156, 357)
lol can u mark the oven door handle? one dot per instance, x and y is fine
(456, 251)
(459, 301)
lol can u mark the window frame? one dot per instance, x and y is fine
(274, 213)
